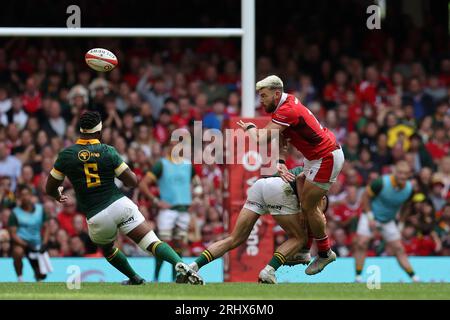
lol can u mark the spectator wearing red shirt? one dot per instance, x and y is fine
(336, 92)
(439, 146)
(67, 215)
(417, 245)
(161, 129)
(347, 212)
(32, 98)
(185, 115)
(367, 89)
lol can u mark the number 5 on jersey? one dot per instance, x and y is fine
(92, 177)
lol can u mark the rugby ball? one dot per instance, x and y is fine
(101, 60)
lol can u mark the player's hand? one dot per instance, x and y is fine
(284, 173)
(244, 125)
(62, 197)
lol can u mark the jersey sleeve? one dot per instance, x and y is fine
(119, 165)
(296, 171)
(45, 216)
(12, 220)
(375, 187)
(59, 168)
(156, 170)
(285, 116)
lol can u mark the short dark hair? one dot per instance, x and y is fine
(90, 119)
(165, 111)
(22, 187)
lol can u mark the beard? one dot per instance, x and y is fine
(271, 106)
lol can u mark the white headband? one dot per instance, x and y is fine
(93, 130)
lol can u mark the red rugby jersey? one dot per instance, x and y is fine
(305, 132)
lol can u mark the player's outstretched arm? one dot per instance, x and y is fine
(261, 136)
(128, 178)
(53, 189)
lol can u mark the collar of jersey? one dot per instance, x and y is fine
(175, 160)
(87, 141)
(395, 184)
(282, 100)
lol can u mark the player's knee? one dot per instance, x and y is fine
(361, 244)
(298, 242)
(398, 250)
(310, 207)
(17, 252)
(107, 250)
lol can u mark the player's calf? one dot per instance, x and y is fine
(151, 243)
(119, 261)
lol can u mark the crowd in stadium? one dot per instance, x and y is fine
(386, 101)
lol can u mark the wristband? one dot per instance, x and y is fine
(281, 161)
(249, 127)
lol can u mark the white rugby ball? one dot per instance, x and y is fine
(101, 60)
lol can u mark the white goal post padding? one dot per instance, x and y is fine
(121, 32)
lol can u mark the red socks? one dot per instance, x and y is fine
(323, 245)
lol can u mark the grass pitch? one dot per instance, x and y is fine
(224, 291)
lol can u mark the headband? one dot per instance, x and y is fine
(93, 130)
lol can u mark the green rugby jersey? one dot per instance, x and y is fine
(91, 168)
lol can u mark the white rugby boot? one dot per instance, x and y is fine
(188, 273)
(318, 264)
(267, 275)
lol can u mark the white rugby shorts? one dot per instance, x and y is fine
(123, 215)
(272, 195)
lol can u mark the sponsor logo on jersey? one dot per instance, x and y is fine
(84, 155)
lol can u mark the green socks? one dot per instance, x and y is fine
(165, 252)
(277, 260)
(119, 261)
(205, 258)
(410, 272)
(158, 265)
(358, 271)
(161, 250)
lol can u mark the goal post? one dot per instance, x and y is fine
(246, 33)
